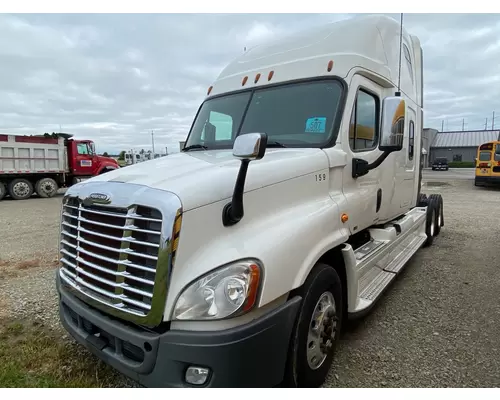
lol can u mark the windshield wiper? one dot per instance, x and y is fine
(274, 143)
(195, 146)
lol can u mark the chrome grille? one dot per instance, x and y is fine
(111, 253)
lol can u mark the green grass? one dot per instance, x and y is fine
(33, 356)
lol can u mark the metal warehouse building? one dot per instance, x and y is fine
(454, 146)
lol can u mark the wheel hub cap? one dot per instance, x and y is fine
(322, 330)
(21, 189)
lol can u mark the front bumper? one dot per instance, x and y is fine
(252, 355)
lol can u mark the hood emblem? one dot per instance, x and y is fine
(96, 198)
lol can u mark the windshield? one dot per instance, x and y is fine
(484, 156)
(441, 160)
(497, 153)
(293, 115)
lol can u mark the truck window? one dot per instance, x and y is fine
(497, 152)
(363, 129)
(411, 141)
(295, 115)
(82, 148)
(223, 126)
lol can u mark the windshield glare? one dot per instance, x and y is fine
(295, 115)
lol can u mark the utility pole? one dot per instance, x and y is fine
(486, 124)
(493, 121)
(442, 125)
(153, 142)
(463, 124)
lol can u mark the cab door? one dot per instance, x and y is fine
(84, 159)
(360, 140)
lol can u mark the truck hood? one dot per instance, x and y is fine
(204, 177)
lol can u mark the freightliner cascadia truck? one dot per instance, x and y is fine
(293, 205)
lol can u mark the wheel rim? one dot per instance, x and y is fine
(21, 189)
(439, 218)
(48, 187)
(322, 330)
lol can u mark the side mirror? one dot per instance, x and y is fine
(248, 147)
(251, 146)
(393, 124)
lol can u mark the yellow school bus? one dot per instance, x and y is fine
(488, 164)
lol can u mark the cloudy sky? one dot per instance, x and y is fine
(114, 78)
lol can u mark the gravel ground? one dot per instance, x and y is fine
(436, 327)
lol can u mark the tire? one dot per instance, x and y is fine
(3, 190)
(20, 189)
(430, 222)
(422, 200)
(438, 199)
(46, 187)
(322, 284)
(433, 168)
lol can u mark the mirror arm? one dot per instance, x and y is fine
(379, 160)
(233, 212)
(361, 167)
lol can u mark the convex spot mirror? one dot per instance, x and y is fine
(393, 124)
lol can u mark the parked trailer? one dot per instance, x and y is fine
(42, 164)
(240, 269)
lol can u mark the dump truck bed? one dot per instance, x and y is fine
(32, 155)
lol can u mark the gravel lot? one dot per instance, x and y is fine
(436, 327)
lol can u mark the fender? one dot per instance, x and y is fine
(107, 168)
(299, 218)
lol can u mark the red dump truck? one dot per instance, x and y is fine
(43, 164)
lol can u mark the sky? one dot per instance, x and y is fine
(115, 78)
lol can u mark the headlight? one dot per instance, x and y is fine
(228, 291)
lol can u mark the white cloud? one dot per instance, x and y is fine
(115, 77)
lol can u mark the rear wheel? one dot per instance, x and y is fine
(3, 190)
(46, 187)
(438, 200)
(317, 328)
(430, 222)
(20, 189)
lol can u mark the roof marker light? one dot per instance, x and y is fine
(330, 65)
(209, 90)
(244, 81)
(257, 77)
(270, 76)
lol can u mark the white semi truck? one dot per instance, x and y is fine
(294, 204)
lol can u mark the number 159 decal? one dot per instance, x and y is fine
(320, 177)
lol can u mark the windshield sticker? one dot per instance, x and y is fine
(316, 125)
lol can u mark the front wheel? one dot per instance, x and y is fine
(317, 329)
